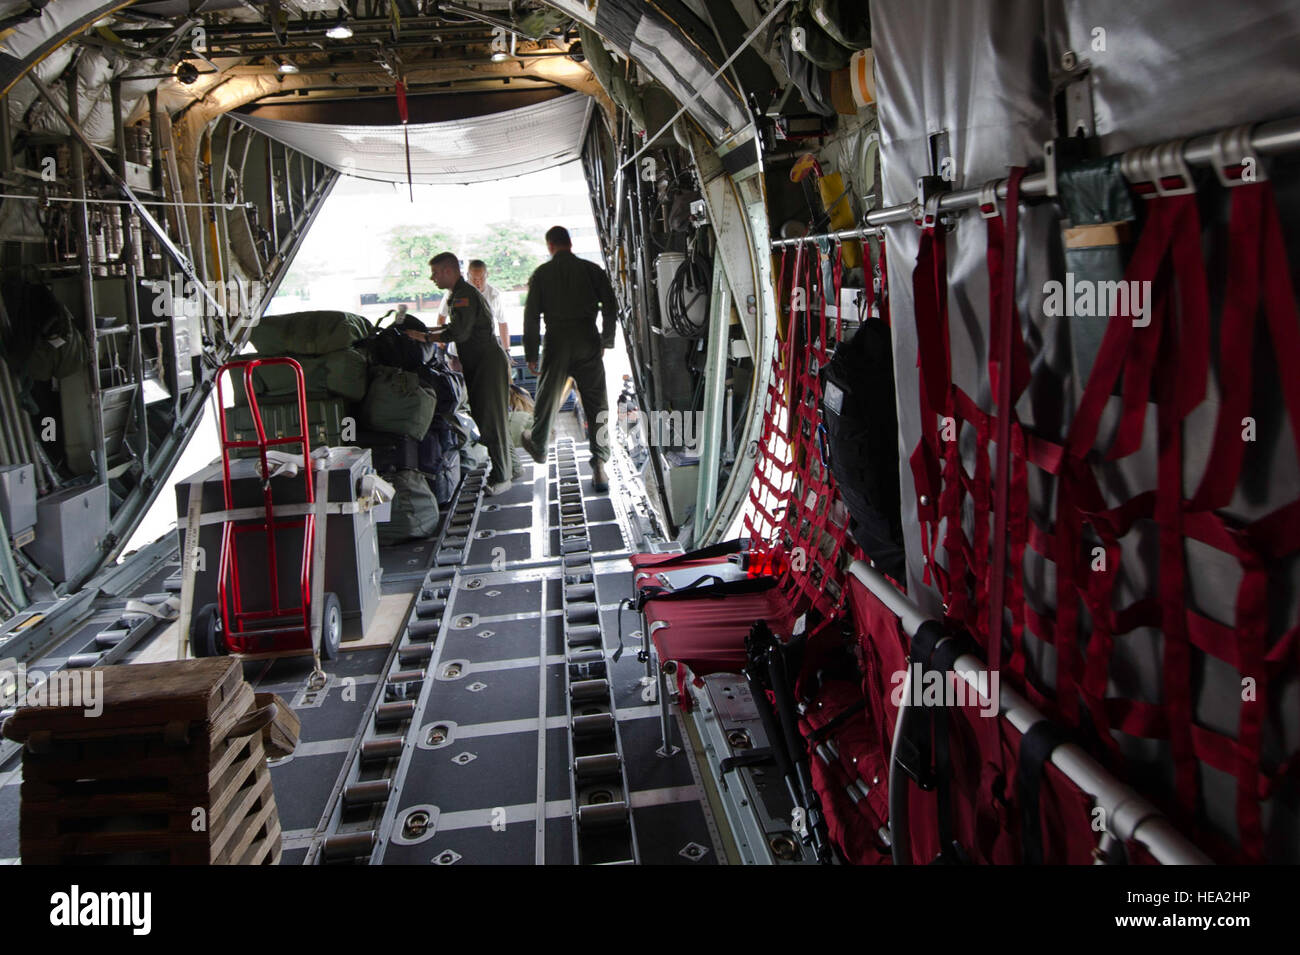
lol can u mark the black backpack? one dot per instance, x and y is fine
(396, 349)
(861, 423)
(447, 384)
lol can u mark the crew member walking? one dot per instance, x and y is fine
(567, 291)
(487, 370)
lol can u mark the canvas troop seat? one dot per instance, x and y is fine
(702, 629)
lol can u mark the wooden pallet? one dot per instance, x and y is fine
(138, 699)
(192, 787)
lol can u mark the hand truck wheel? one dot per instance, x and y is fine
(331, 628)
(206, 637)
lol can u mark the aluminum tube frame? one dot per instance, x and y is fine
(1279, 136)
(87, 276)
(711, 437)
(132, 296)
(159, 233)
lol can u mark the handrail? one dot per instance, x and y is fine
(1278, 136)
(1128, 815)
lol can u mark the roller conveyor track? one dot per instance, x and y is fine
(353, 828)
(482, 764)
(603, 829)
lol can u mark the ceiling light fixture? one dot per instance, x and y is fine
(285, 66)
(340, 30)
(500, 56)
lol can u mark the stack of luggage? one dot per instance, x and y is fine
(405, 404)
(334, 370)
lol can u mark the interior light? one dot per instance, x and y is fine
(500, 56)
(340, 30)
(284, 66)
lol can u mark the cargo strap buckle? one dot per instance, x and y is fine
(1235, 161)
(930, 211)
(1158, 170)
(989, 199)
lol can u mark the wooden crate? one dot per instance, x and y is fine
(177, 779)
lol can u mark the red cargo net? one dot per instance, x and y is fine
(1165, 364)
(796, 525)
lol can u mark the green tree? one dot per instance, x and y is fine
(407, 277)
(510, 254)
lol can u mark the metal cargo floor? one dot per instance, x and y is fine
(485, 754)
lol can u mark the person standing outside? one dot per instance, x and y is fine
(567, 291)
(486, 368)
(477, 272)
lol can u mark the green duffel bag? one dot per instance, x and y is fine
(308, 333)
(341, 374)
(414, 511)
(396, 402)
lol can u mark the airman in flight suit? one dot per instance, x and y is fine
(567, 291)
(486, 368)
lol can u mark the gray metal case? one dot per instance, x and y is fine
(18, 497)
(352, 568)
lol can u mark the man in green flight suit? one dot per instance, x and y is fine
(567, 291)
(487, 370)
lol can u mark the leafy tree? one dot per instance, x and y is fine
(303, 273)
(407, 277)
(510, 253)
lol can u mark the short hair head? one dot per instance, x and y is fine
(477, 264)
(445, 258)
(558, 235)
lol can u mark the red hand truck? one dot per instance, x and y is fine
(278, 630)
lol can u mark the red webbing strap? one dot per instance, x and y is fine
(1172, 231)
(1171, 221)
(1172, 568)
(1257, 273)
(930, 296)
(791, 495)
(868, 281)
(1018, 520)
(884, 283)
(1009, 375)
(794, 581)
(1256, 250)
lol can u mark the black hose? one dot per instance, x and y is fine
(690, 283)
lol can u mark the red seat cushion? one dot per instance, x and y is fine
(707, 634)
